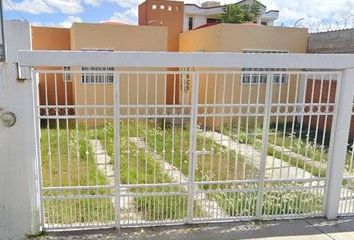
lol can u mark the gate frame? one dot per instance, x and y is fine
(116, 118)
(341, 121)
(193, 146)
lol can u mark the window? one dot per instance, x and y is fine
(262, 78)
(264, 23)
(169, 8)
(154, 7)
(66, 74)
(213, 20)
(177, 9)
(190, 23)
(97, 75)
(162, 7)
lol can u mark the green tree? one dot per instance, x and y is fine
(237, 13)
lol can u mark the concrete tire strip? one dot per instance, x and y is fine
(277, 168)
(128, 213)
(209, 207)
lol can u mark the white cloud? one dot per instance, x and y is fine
(129, 16)
(311, 10)
(51, 6)
(66, 23)
(35, 23)
(30, 6)
(93, 2)
(128, 3)
(290, 10)
(69, 21)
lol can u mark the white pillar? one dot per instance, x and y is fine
(339, 142)
(18, 198)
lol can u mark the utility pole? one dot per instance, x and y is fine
(2, 38)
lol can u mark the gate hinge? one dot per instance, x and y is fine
(20, 76)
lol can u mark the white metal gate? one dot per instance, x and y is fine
(200, 142)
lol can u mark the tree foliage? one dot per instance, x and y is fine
(237, 13)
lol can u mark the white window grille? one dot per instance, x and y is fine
(91, 75)
(279, 77)
(97, 75)
(66, 74)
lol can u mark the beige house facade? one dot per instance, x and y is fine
(93, 87)
(83, 86)
(237, 86)
(113, 37)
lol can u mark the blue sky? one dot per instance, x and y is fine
(64, 12)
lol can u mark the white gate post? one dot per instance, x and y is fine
(18, 154)
(339, 142)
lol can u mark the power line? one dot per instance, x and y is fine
(14, 9)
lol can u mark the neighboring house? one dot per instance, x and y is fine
(163, 33)
(70, 89)
(210, 12)
(112, 37)
(164, 13)
(179, 17)
(244, 38)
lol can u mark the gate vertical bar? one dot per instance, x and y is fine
(35, 97)
(117, 149)
(192, 146)
(264, 153)
(339, 141)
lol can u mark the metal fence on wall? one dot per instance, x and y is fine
(326, 25)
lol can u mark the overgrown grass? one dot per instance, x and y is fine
(307, 143)
(253, 136)
(304, 144)
(140, 167)
(136, 166)
(214, 162)
(67, 160)
(275, 202)
(171, 143)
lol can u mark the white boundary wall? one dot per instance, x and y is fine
(18, 201)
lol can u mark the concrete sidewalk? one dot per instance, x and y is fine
(319, 228)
